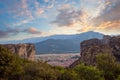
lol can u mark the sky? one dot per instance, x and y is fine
(20, 19)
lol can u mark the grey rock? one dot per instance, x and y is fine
(26, 51)
(90, 48)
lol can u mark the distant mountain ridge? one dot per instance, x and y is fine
(40, 39)
(56, 46)
(65, 44)
(59, 43)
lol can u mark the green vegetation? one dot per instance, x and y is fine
(10, 65)
(88, 72)
(14, 68)
(109, 66)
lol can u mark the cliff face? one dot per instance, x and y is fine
(114, 43)
(90, 48)
(26, 51)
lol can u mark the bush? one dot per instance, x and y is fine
(88, 72)
(10, 65)
(38, 71)
(14, 68)
(68, 75)
(108, 64)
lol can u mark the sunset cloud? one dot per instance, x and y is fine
(33, 30)
(50, 17)
(109, 27)
(68, 16)
(111, 13)
(109, 18)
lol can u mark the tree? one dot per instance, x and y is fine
(10, 65)
(68, 75)
(39, 71)
(88, 72)
(108, 64)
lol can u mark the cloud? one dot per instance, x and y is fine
(3, 34)
(21, 11)
(8, 32)
(14, 31)
(46, 0)
(19, 23)
(107, 20)
(68, 16)
(39, 11)
(85, 29)
(33, 30)
(109, 27)
(51, 4)
(83, 15)
(109, 14)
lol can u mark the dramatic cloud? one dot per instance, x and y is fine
(57, 17)
(68, 16)
(107, 20)
(110, 15)
(106, 27)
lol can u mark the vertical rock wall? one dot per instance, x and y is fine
(25, 51)
(90, 48)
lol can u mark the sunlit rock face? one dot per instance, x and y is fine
(25, 51)
(90, 48)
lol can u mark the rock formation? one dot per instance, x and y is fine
(114, 43)
(25, 51)
(90, 48)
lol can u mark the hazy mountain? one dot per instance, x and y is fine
(64, 43)
(76, 37)
(56, 46)
(59, 43)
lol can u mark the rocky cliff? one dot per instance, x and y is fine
(90, 48)
(26, 51)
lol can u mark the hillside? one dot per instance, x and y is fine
(76, 37)
(58, 43)
(56, 46)
(65, 44)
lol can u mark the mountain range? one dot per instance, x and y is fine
(65, 43)
(58, 43)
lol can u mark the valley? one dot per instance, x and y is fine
(63, 60)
